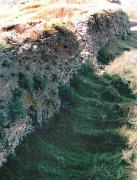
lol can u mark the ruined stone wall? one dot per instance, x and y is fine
(31, 72)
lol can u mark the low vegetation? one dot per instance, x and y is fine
(16, 106)
(30, 83)
(6, 63)
(111, 50)
(39, 82)
(83, 141)
(94, 135)
(26, 82)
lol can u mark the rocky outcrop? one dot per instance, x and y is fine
(32, 71)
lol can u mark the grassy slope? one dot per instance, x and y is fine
(87, 138)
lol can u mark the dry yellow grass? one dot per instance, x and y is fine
(47, 9)
(34, 10)
(125, 66)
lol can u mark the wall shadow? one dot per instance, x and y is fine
(83, 140)
(115, 48)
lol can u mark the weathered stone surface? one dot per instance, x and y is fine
(31, 72)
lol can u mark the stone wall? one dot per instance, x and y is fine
(32, 71)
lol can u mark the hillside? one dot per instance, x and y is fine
(94, 135)
(68, 87)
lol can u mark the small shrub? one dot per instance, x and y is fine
(6, 63)
(26, 82)
(13, 74)
(67, 93)
(16, 106)
(39, 82)
(86, 70)
(17, 110)
(17, 93)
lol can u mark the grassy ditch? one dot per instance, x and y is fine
(93, 136)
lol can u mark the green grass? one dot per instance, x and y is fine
(16, 106)
(115, 48)
(83, 140)
(111, 50)
(131, 40)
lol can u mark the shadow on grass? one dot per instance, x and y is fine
(114, 48)
(83, 140)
